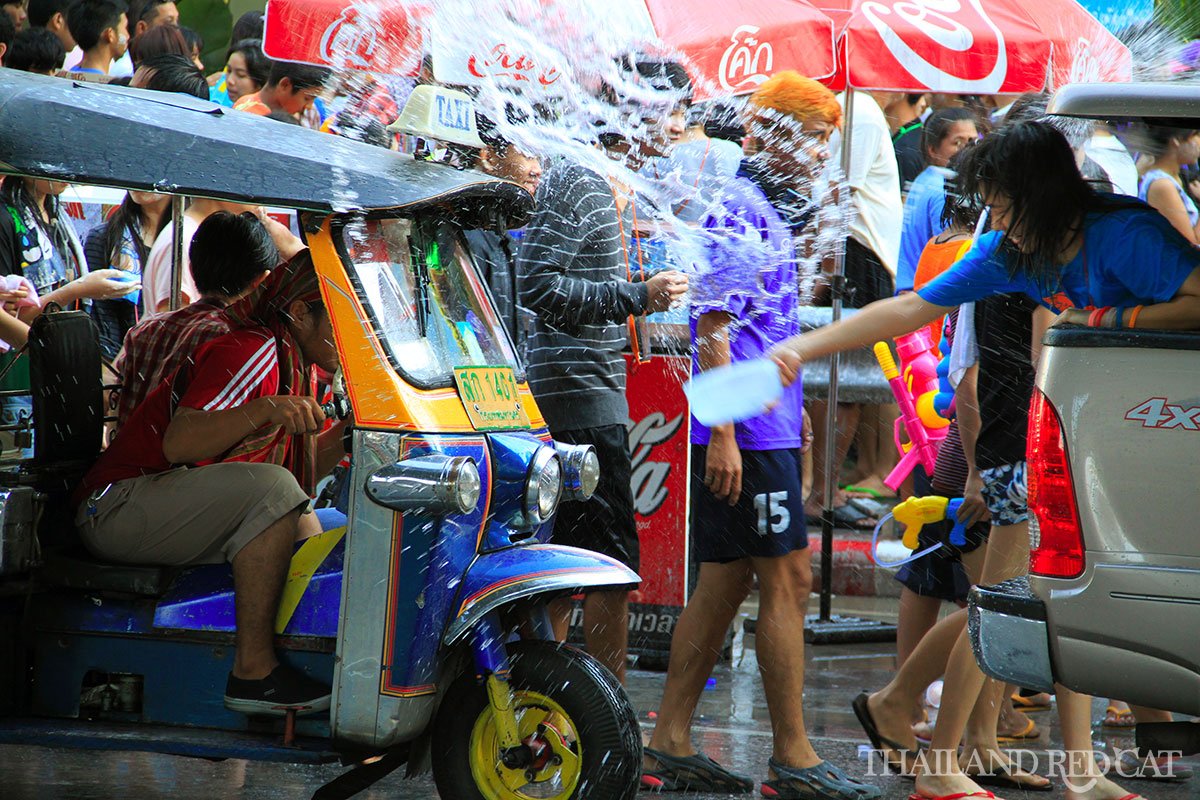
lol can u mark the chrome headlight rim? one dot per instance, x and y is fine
(537, 508)
(581, 470)
(463, 475)
(433, 484)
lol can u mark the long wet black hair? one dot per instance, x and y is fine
(962, 208)
(128, 220)
(1031, 165)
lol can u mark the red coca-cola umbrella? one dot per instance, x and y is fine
(732, 46)
(735, 45)
(972, 46)
(384, 37)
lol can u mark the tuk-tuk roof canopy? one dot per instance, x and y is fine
(176, 144)
(1175, 103)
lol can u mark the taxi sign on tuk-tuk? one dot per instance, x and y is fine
(489, 396)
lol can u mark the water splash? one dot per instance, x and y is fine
(557, 77)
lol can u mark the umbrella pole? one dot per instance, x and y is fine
(825, 628)
(176, 252)
(837, 286)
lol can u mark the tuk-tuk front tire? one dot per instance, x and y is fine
(545, 676)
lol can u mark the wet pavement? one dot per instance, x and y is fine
(733, 727)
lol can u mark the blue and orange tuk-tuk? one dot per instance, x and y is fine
(426, 613)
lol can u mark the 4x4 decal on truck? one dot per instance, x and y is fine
(1157, 413)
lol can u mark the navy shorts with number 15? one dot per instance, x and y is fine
(768, 519)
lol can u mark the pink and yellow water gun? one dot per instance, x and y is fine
(915, 390)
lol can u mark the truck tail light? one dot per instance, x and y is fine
(1056, 537)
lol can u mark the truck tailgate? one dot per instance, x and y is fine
(1129, 403)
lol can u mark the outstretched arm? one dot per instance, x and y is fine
(883, 319)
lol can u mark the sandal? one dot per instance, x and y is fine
(872, 508)
(845, 517)
(962, 795)
(825, 781)
(1034, 702)
(1031, 731)
(881, 743)
(1115, 717)
(694, 773)
(851, 518)
(1152, 768)
(1009, 778)
(867, 491)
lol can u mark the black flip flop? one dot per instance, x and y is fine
(880, 742)
(694, 773)
(1004, 778)
(845, 517)
(872, 508)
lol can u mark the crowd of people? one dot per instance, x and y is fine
(1085, 224)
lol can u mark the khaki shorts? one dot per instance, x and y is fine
(203, 515)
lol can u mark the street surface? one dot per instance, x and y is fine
(733, 728)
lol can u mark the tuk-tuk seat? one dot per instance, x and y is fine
(78, 570)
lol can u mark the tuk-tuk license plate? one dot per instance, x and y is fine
(489, 395)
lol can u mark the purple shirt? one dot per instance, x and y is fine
(750, 273)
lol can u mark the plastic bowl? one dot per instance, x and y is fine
(734, 393)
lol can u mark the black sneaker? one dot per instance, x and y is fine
(284, 689)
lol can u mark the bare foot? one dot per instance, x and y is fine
(875, 485)
(1119, 715)
(1015, 725)
(1034, 702)
(940, 776)
(892, 720)
(989, 761)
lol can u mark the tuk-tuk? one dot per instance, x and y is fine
(426, 613)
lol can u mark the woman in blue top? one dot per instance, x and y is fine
(1160, 186)
(946, 133)
(1071, 250)
(1054, 239)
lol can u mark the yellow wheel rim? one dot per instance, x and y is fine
(549, 730)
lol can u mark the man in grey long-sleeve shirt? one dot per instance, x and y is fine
(574, 270)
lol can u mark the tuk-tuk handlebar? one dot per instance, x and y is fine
(337, 408)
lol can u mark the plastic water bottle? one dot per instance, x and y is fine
(734, 393)
(933, 695)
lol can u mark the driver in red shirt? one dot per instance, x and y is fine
(217, 465)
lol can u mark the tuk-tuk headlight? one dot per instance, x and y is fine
(432, 484)
(581, 470)
(543, 487)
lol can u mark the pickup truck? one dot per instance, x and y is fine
(1111, 605)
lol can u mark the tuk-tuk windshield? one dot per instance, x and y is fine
(427, 301)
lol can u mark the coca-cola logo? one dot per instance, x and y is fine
(649, 479)
(351, 40)
(948, 25)
(1085, 66)
(502, 63)
(747, 61)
